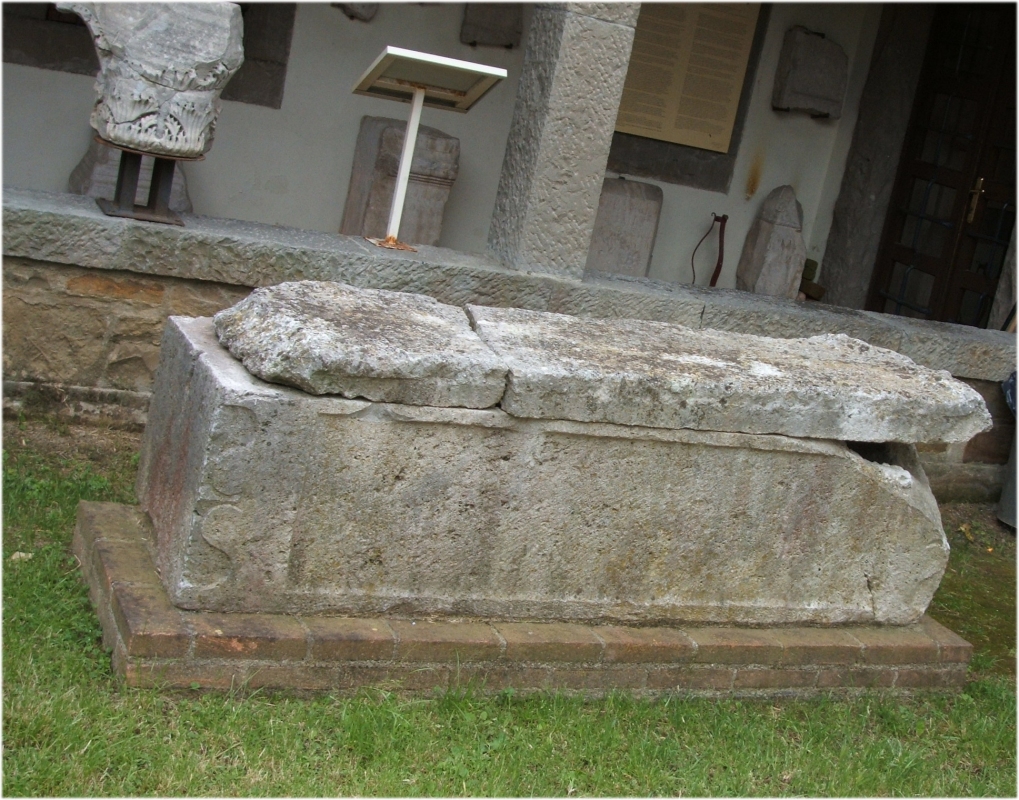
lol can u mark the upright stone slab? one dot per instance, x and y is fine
(575, 64)
(265, 498)
(812, 74)
(625, 229)
(660, 375)
(492, 24)
(774, 253)
(872, 163)
(433, 170)
(96, 176)
(162, 67)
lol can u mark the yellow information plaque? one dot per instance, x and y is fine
(686, 72)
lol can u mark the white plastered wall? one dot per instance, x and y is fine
(777, 148)
(291, 166)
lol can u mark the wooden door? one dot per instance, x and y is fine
(953, 206)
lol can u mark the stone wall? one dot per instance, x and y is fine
(68, 330)
(86, 297)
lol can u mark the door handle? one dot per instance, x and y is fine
(974, 198)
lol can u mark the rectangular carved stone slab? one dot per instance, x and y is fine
(625, 228)
(266, 499)
(433, 170)
(667, 376)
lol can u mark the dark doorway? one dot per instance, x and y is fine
(953, 206)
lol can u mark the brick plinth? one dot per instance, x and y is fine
(155, 644)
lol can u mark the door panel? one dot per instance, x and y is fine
(953, 205)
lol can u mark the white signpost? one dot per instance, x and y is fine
(421, 80)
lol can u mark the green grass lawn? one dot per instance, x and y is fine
(70, 729)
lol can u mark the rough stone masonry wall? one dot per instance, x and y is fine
(86, 297)
(89, 339)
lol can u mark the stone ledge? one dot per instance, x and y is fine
(118, 408)
(157, 645)
(70, 229)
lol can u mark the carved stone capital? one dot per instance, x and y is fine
(162, 67)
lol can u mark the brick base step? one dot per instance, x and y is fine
(155, 644)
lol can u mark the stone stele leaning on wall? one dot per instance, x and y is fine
(162, 67)
(508, 464)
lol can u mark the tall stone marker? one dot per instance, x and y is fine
(575, 64)
(774, 253)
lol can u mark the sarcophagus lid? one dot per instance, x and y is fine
(330, 338)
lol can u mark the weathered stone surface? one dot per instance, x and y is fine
(373, 179)
(563, 120)
(152, 643)
(625, 228)
(328, 338)
(774, 253)
(264, 498)
(96, 176)
(812, 74)
(965, 351)
(782, 318)
(618, 13)
(667, 376)
(68, 229)
(94, 328)
(162, 67)
(873, 159)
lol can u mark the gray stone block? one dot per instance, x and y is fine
(811, 76)
(601, 296)
(667, 376)
(70, 229)
(563, 120)
(859, 214)
(328, 338)
(964, 351)
(782, 318)
(433, 170)
(625, 229)
(492, 24)
(618, 13)
(774, 253)
(264, 498)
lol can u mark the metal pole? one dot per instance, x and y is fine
(403, 175)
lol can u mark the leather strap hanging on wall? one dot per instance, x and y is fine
(721, 220)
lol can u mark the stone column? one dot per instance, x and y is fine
(873, 160)
(574, 68)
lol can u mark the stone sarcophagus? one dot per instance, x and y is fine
(320, 448)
